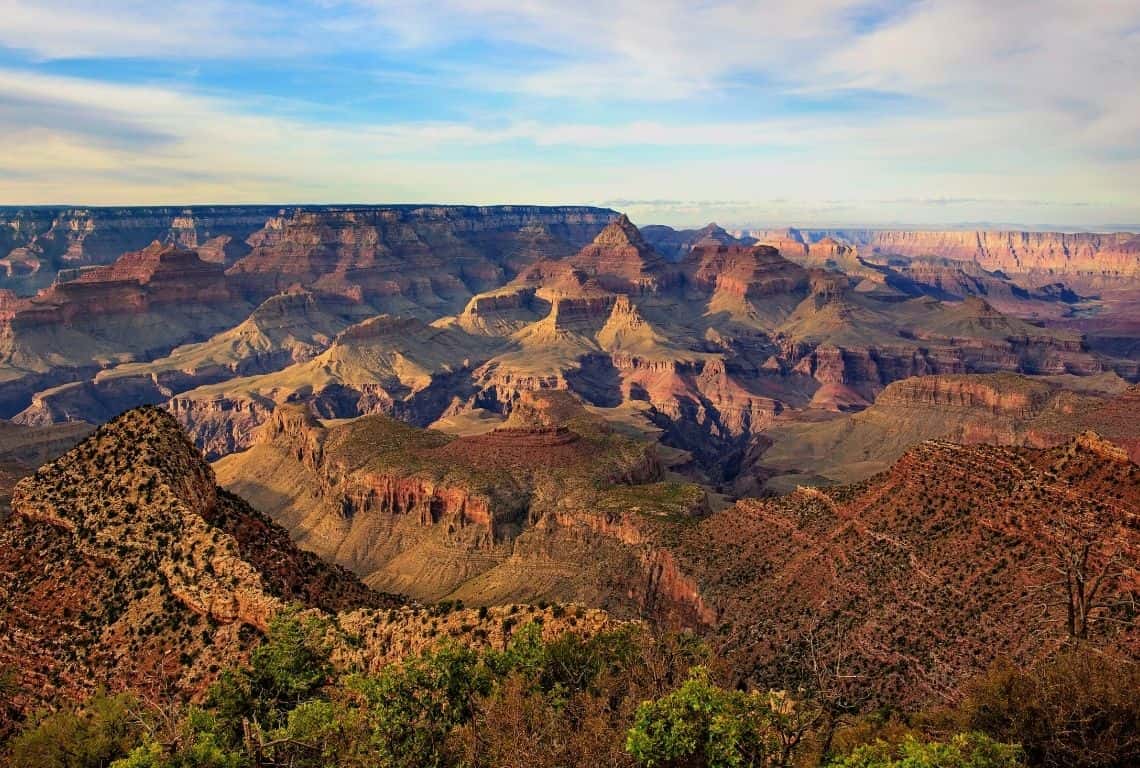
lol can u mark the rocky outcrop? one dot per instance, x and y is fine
(136, 282)
(620, 260)
(36, 242)
(116, 549)
(389, 493)
(1082, 259)
(667, 593)
(432, 257)
(220, 424)
(138, 308)
(501, 513)
(755, 272)
(1007, 396)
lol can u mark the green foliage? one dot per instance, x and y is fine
(536, 703)
(1078, 710)
(290, 667)
(413, 706)
(964, 750)
(293, 663)
(204, 751)
(105, 728)
(701, 724)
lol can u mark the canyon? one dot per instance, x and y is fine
(365, 412)
(704, 339)
(123, 564)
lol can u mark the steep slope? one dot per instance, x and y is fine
(425, 261)
(553, 506)
(144, 304)
(1002, 409)
(401, 367)
(123, 564)
(284, 329)
(675, 244)
(903, 587)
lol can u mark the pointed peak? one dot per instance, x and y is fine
(619, 233)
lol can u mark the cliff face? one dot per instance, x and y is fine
(1000, 396)
(430, 257)
(429, 313)
(141, 306)
(1001, 409)
(522, 513)
(743, 272)
(305, 243)
(136, 282)
(1042, 257)
(36, 242)
(413, 261)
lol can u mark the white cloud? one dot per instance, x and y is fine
(170, 29)
(1006, 101)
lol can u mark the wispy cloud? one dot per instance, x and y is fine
(930, 108)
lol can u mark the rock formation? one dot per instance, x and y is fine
(910, 584)
(453, 314)
(142, 305)
(122, 561)
(531, 511)
(1000, 409)
(124, 565)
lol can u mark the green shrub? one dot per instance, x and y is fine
(701, 724)
(103, 729)
(964, 750)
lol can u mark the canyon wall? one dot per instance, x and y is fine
(1041, 257)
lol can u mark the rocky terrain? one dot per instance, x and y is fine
(450, 315)
(124, 565)
(555, 506)
(413, 261)
(142, 305)
(1000, 409)
(35, 243)
(523, 405)
(902, 587)
(1083, 260)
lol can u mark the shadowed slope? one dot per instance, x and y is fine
(123, 564)
(919, 578)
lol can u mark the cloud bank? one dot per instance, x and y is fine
(817, 112)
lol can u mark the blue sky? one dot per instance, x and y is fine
(817, 112)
